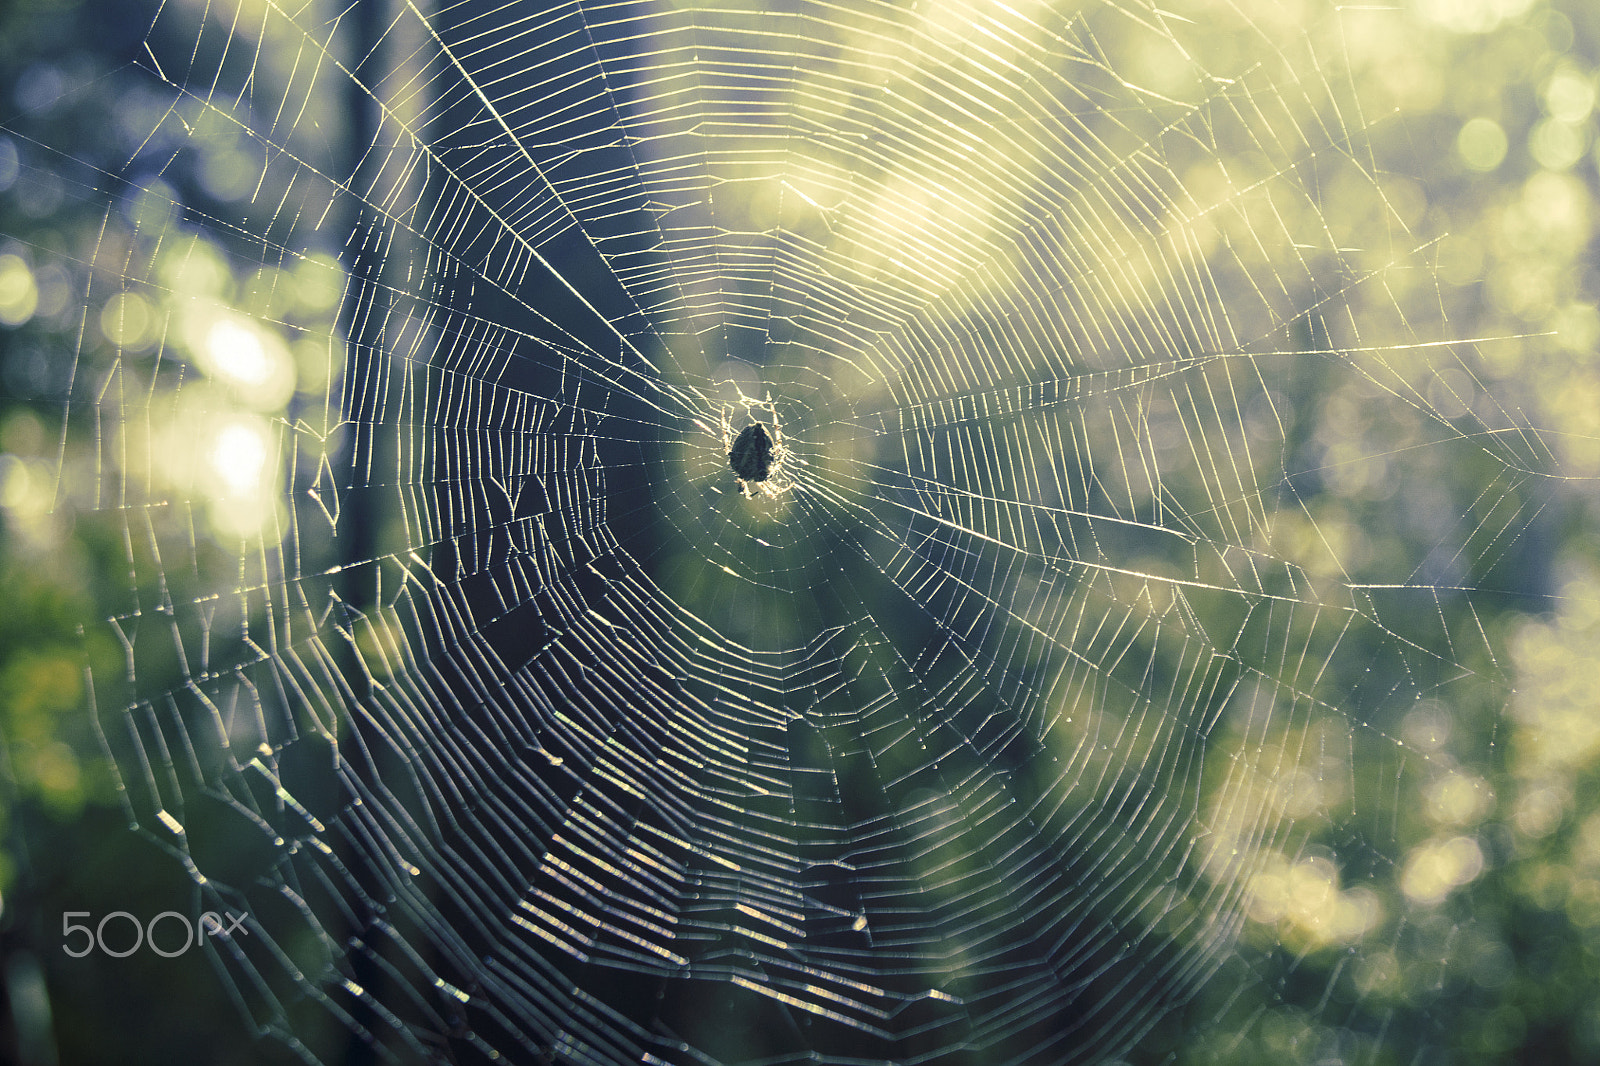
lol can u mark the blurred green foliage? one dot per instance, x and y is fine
(1480, 936)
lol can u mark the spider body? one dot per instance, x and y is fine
(757, 455)
(751, 454)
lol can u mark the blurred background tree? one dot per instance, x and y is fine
(1480, 937)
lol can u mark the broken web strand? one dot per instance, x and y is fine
(988, 474)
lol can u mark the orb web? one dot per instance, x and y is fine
(463, 666)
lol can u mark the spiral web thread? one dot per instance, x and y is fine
(515, 728)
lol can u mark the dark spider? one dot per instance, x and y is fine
(751, 455)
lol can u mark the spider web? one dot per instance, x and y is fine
(519, 731)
